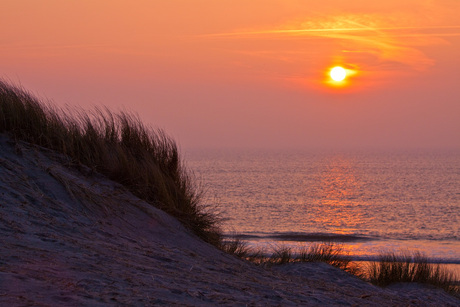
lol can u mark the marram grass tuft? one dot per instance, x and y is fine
(144, 160)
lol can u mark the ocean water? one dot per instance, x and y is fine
(369, 202)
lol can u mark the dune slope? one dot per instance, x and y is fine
(71, 237)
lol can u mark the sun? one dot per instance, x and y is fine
(338, 73)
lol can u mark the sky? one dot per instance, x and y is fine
(249, 74)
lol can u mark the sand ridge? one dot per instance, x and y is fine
(70, 237)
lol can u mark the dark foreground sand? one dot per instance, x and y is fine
(71, 238)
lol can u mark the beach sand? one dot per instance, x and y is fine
(73, 238)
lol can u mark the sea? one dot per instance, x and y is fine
(367, 202)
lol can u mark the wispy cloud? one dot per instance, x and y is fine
(331, 31)
(376, 35)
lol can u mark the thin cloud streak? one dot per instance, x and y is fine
(366, 34)
(359, 29)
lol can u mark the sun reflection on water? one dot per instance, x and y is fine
(338, 197)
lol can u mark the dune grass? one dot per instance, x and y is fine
(327, 252)
(236, 247)
(411, 267)
(144, 160)
(332, 254)
(390, 268)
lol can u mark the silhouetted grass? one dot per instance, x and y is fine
(144, 160)
(330, 253)
(391, 268)
(411, 267)
(239, 248)
(236, 247)
(282, 255)
(327, 252)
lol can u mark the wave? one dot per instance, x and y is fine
(306, 237)
(430, 259)
(318, 237)
(370, 247)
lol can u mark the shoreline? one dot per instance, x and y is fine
(368, 250)
(453, 265)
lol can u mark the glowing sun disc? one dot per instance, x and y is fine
(338, 73)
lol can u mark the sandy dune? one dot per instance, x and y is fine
(73, 238)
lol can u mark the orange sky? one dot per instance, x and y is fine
(236, 73)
